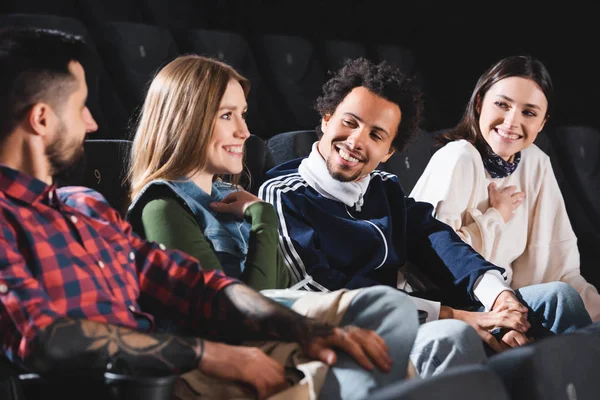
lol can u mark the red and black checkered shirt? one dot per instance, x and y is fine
(66, 252)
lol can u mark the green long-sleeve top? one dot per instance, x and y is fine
(164, 220)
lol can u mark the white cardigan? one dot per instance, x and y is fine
(536, 246)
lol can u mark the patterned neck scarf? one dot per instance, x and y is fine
(496, 166)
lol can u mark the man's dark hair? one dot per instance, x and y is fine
(383, 80)
(34, 67)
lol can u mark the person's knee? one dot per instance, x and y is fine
(448, 330)
(444, 343)
(458, 331)
(563, 294)
(386, 299)
(385, 310)
(561, 289)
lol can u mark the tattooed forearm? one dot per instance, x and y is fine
(261, 318)
(73, 345)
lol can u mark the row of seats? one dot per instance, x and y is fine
(286, 71)
(556, 368)
(107, 160)
(573, 150)
(562, 367)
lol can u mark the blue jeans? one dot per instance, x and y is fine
(432, 347)
(446, 343)
(393, 316)
(554, 308)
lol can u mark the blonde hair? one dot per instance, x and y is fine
(177, 119)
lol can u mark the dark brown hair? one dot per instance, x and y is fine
(34, 67)
(519, 66)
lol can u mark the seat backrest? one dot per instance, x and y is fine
(178, 16)
(65, 8)
(17, 384)
(336, 52)
(94, 13)
(10, 385)
(469, 382)
(105, 170)
(134, 53)
(574, 152)
(410, 164)
(295, 75)
(103, 101)
(404, 59)
(397, 56)
(287, 146)
(559, 367)
(578, 152)
(257, 160)
(233, 49)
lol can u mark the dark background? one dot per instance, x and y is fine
(449, 45)
(452, 42)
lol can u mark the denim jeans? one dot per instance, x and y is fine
(393, 316)
(554, 308)
(446, 343)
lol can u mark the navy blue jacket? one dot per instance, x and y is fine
(341, 247)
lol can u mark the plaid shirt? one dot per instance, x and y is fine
(66, 252)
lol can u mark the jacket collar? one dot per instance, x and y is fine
(313, 170)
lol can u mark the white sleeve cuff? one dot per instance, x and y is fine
(495, 214)
(432, 308)
(488, 286)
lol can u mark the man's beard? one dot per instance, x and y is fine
(339, 176)
(65, 170)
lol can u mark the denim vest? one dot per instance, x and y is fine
(227, 234)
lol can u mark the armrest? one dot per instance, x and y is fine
(19, 384)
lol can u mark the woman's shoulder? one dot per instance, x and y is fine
(534, 156)
(459, 152)
(535, 152)
(461, 146)
(155, 198)
(155, 189)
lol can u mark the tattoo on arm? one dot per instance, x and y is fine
(71, 345)
(252, 316)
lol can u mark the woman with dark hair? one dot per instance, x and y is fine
(498, 190)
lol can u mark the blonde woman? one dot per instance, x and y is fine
(187, 156)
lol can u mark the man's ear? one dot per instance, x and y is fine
(325, 121)
(41, 119)
(389, 154)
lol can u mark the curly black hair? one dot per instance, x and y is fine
(383, 80)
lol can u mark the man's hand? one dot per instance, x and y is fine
(507, 300)
(252, 316)
(513, 339)
(365, 346)
(235, 203)
(484, 322)
(243, 364)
